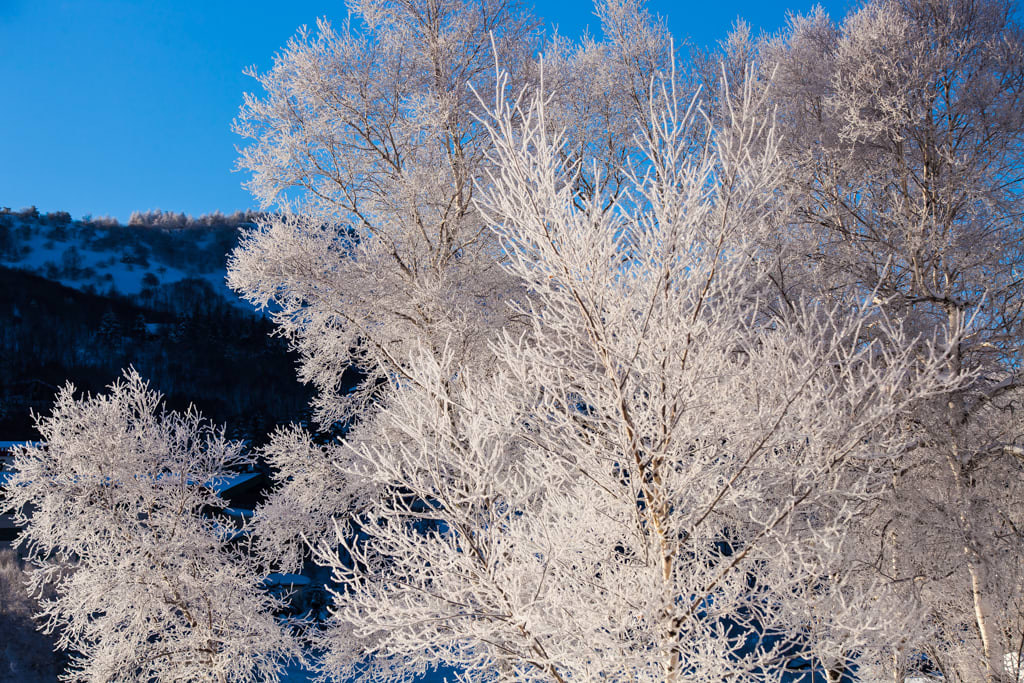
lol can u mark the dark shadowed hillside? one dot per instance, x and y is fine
(192, 344)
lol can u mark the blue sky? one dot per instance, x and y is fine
(110, 106)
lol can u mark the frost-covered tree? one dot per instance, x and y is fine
(904, 129)
(366, 139)
(650, 481)
(366, 142)
(384, 251)
(146, 584)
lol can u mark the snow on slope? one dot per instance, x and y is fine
(118, 260)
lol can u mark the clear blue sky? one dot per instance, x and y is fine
(109, 106)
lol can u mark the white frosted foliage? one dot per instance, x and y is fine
(655, 468)
(147, 586)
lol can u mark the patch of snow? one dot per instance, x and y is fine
(222, 485)
(277, 579)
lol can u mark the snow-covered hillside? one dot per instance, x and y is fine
(106, 258)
